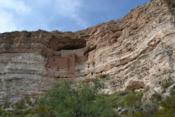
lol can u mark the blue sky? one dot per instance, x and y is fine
(63, 15)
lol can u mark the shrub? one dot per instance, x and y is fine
(85, 100)
(66, 101)
(167, 107)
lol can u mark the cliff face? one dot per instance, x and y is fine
(136, 52)
(29, 61)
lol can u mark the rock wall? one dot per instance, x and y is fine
(135, 52)
(134, 48)
(30, 62)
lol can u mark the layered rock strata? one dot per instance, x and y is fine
(29, 61)
(136, 52)
(139, 47)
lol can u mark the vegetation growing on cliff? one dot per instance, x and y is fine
(84, 100)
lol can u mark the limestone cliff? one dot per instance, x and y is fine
(29, 61)
(136, 52)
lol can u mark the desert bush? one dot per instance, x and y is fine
(85, 100)
(64, 100)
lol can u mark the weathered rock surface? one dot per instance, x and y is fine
(134, 52)
(139, 47)
(29, 61)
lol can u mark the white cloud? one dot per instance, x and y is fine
(6, 22)
(18, 6)
(8, 9)
(23, 14)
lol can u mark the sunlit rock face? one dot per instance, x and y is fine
(31, 61)
(136, 52)
(140, 48)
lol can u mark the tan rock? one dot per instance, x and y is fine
(134, 85)
(139, 46)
